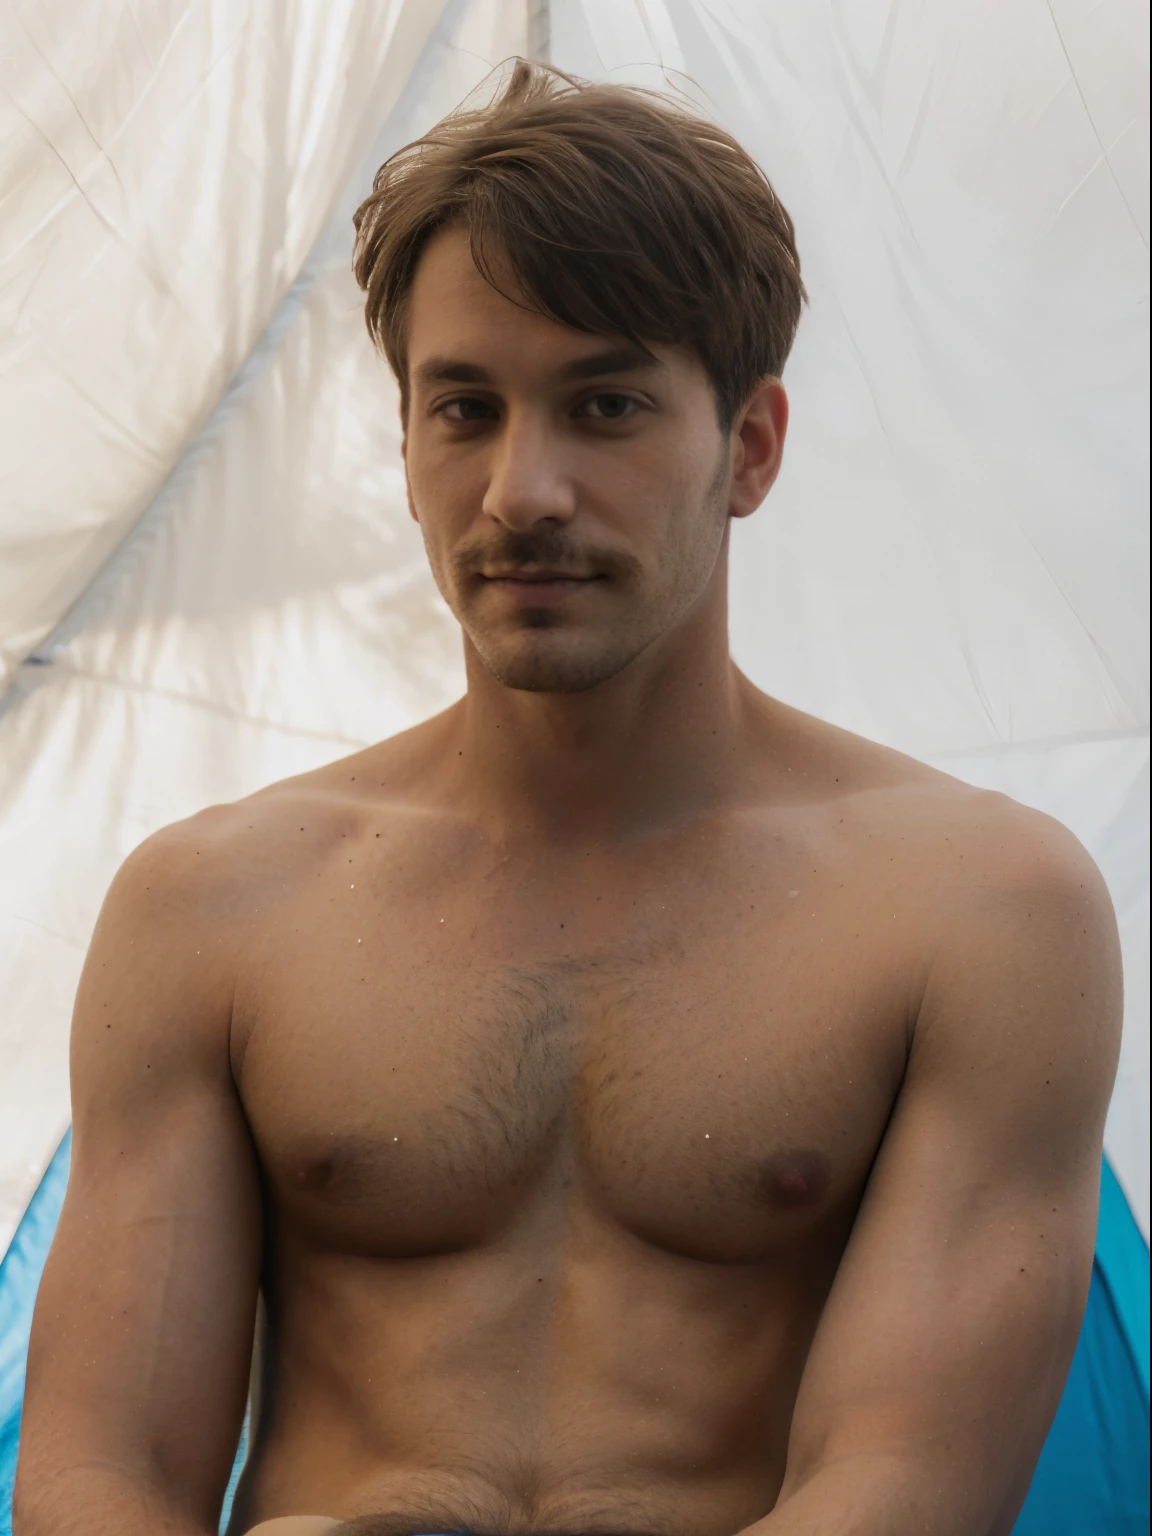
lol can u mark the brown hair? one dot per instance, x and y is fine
(611, 209)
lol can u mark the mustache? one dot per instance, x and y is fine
(547, 546)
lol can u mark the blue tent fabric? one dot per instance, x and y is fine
(1122, 1258)
(1092, 1477)
(19, 1280)
(1093, 1474)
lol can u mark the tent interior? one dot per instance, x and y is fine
(209, 579)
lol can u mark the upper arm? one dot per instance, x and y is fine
(142, 1336)
(956, 1309)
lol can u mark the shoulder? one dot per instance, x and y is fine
(962, 876)
(997, 876)
(948, 842)
(1017, 956)
(226, 863)
(985, 858)
(1007, 932)
(180, 917)
(218, 863)
(209, 869)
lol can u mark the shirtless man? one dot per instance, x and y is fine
(644, 1109)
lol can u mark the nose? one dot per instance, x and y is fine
(528, 482)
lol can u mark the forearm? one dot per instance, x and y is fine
(95, 1498)
(877, 1495)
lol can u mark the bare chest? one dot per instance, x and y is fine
(422, 1084)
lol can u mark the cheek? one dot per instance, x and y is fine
(690, 495)
(692, 540)
(653, 487)
(427, 513)
(443, 494)
(688, 461)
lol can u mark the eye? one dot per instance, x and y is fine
(608, 407)
(468, 408)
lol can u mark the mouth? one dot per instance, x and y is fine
(535, 586)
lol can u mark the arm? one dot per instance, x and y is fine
(942, 1352)
(138, 1366)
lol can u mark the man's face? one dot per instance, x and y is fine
(572, 493)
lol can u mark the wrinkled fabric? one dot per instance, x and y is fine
(166, 169)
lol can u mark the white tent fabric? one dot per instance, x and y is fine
(951, 562)
(271, 610)
(167, 169)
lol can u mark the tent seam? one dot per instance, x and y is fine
(104, 580)
(175, 696)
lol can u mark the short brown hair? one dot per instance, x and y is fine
(611, 209)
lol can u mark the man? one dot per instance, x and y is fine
(644, 1109)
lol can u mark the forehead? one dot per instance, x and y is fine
(454, 312)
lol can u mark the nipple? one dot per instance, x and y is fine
(794, 1179)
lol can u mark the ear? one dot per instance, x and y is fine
(757, 445)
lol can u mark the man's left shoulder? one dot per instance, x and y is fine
(1015, 920)
(991, 852)
(948, 852)
(979, 880)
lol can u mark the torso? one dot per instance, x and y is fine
(561, 1148)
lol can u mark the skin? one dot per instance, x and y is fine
(646, 1108)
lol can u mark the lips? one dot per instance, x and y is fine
(535, 587)
(534, 577)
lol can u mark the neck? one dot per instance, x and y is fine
(653, 747)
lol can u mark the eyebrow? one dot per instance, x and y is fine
(628, 359)
(616, 360)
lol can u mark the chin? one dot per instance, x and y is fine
(540, 668)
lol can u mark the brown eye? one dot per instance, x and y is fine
(609, 407)
(467, 409)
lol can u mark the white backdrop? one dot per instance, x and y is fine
(207, 575)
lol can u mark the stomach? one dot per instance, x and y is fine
(603, 1388)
